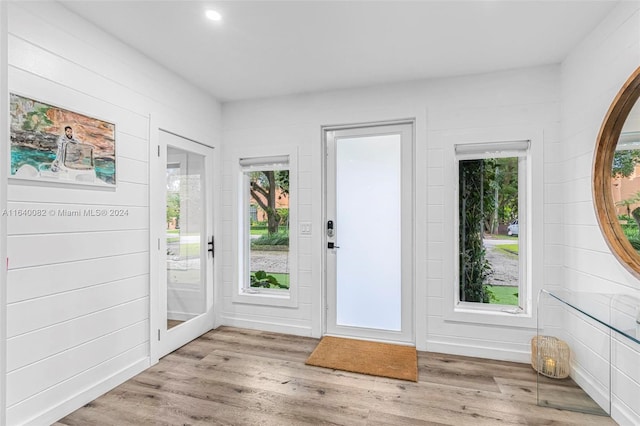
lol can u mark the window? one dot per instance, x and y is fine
(492, 233)
(253, 213)
(264, 219)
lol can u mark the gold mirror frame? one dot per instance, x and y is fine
(603, 160)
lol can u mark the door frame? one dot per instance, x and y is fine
(161, 340)
(4, 186)
(406, 337)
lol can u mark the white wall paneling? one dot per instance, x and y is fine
(472, 105)
(45, 342)
(127, 194)
(51, 404)
(28, 83)
(590, 361)
(31, 315)
(26, 382)
(45, 280)
(591, 77)
(625, 379)
(79, 289)
(36, 250)
(58, 218)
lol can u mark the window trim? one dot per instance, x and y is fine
(260, 159)
(476, 143)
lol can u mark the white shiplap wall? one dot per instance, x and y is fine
(78, 290)
(515, 102)
(591, 78)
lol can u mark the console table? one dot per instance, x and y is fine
(593, 325)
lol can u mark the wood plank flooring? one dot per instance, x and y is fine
(173, 323)
(233, 376)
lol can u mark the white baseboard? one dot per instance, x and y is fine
(56, 413)
(595, 390)
(477, 351)
(623, 414)
(266, 326)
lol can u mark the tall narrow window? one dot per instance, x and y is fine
(492, 213)
(265, 224)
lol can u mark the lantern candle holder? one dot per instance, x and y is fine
(550, 357)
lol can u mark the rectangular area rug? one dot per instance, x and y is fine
(360, 356)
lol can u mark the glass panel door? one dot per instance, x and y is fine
(368, 224)
(369, 239)
(185, 276)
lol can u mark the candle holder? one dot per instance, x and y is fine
(550, 357)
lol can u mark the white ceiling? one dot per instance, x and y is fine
(270, 48)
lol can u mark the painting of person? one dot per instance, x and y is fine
(53, 144)
(63, 140)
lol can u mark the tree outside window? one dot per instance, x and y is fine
(488, 202)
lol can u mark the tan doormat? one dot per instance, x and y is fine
(360, 356)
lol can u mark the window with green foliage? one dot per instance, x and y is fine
(624, 186)
(491, 214)
(265, 213)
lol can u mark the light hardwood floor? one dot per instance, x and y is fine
(173, 323)
(233, 376)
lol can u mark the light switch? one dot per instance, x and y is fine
(305, 228)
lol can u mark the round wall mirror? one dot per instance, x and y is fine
(616, 177)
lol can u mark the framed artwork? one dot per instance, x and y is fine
(52, 144)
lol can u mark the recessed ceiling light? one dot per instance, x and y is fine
(213, 15)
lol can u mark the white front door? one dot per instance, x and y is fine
(185, 299)
(369, 232)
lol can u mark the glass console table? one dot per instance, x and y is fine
(599, 330)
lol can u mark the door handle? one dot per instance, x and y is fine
(211, 245)
(330, 232)
(332, 246)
